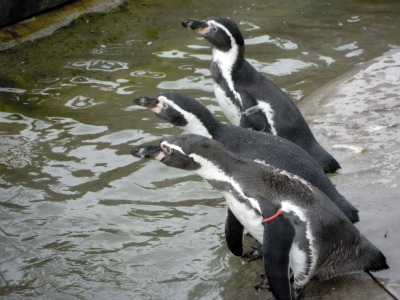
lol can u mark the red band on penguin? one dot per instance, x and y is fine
(278, 213)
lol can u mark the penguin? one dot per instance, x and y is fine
(304, 235)
(249, 99)
(193, 117)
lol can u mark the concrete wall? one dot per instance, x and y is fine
(12, 11)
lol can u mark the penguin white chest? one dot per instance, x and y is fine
(246, 216)
(230, 110)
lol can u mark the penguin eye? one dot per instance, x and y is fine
(212, 29)
(166, 149)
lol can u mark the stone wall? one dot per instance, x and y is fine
(13, 11)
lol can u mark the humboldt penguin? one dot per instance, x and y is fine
(304, 235)
(249, 99)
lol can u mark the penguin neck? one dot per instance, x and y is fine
(216, 166)
(228, 61)
(217, 170)
(224, 65)
(204, 124)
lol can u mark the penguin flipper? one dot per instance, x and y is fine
(234, 234)
(253, 117)
(277, 242)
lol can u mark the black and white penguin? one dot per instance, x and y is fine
(303, 233)
(193, 117)
(249, 99)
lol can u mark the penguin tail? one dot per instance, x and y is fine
(332, 166)
(326, 160)
(377, 263)
(361, 256)
(373, 259)
(347, 208)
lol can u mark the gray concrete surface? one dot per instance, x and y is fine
(357, 117)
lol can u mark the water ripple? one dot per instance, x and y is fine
(99, 65)
(147, 74)
(171, 54)
(282, 66)
(188, 83)
(281, 43)
(80, 102)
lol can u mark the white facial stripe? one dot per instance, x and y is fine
(299, 266)
(172, 146)
(194, 125)
(216, 24)
(269, 113)
(226, 60)
(210, 171)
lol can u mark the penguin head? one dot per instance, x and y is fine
(176, 151)
(192, 152)
(163, 108)
(170, 151)
(198, 153)
(222, 33)
(179, 110)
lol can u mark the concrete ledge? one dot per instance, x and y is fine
(47, 22)
(357, 118)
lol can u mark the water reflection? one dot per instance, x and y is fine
(111, 49)
(79, 102)
(283, 44)
(148, 74)
(99, 65)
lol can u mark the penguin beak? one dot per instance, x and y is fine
(150, 151)
(196, 25)
(147, 102)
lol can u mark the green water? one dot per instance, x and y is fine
(80, 218)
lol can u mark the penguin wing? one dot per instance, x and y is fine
(234, 234)
(252, 116)
(277, 242)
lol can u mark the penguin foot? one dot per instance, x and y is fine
(254, 254)
(263, 284)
